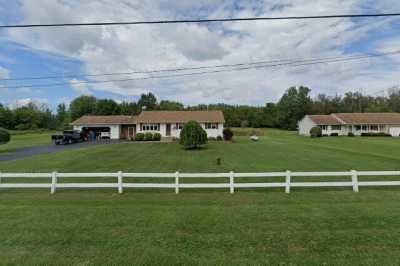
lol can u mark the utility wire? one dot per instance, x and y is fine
(201, 20)
(61, 76)
(292, 64)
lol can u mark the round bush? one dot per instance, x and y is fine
(228, 134)
(193, 135)
(4, 136)
(219, 138)
(351, 134)
(157, 137)
(148, 136)
(316, 132)
(139, 137)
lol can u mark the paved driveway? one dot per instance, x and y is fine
(26, 152)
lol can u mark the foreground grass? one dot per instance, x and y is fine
(208, 227)
(276, 151)
(204, 228)
(20, 140)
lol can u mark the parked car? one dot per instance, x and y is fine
(105, 135)
(68, 137)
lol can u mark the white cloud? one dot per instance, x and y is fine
(4, 73)
(146, 47)
(38, 102)
(80, 87)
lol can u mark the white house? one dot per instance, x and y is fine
(356, 123)
(167, 123)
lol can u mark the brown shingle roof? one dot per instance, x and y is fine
(370, 118)
(106, 119)
(180, 116)
(324, 120)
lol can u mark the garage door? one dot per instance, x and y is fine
(395, 131)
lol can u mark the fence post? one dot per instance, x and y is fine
(231, 182)
(177, 182)
(354, 180)
(287, 182)
(120, 187)
(53, 182)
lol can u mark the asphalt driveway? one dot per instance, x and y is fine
(26, 152)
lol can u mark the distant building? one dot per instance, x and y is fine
(167, 123)
(356, 123)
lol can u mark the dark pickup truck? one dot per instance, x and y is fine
(68, 137)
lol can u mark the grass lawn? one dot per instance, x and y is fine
(19, 141)
(207, 227)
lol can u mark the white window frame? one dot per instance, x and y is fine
(211, 125)
(336, 127)
(150, 127)
(179, 126)
(324, 127)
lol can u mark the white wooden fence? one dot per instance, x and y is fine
(120, 185)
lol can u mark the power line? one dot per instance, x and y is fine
(201, 20)
(61, 76)
(292, 64)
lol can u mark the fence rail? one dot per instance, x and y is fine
(176, 184)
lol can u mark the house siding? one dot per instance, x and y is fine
(305, 126)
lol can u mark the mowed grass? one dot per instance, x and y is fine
(19, 141)
(207, 227)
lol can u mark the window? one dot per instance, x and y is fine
(364, 127)
(358, 127)
(211, 125)
(336, 127)
(179, 126)
(381, 127)
(374, 128)
(324, 127)
(150, 127)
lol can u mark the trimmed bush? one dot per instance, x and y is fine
(139, 137)
(193, 135)
(334, 134)
(351, 134)
(219, 138)
(157, 137)
(380, 134)
(4, 136)
(228, 134)
(316, 132)
(148, 136)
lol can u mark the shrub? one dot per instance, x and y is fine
(228, 134)
(148, 136)
(157, 137)
(334, 134)
(193, 135)
(139, 137)
(4, 136)
(219, 138)
(351, 134)
(371, 134)
(316, 132)
(212, 138)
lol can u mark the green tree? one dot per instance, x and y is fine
(293, 105)
(27, 117)
(170, 106)
(106, 107)
(83, 105)
(4, 136)
(148, 101)
(7, 119)
(193, 135)
(129, 108)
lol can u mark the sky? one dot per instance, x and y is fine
(78, 51)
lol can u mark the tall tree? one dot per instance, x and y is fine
(148, 101)
(170, 106)
(129, 108)
(106, 107)
(82, 105)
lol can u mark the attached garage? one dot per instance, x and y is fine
(394, 131)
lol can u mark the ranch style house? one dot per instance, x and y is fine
(356, 123)
(167, 123)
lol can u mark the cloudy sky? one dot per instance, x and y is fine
(94, 50)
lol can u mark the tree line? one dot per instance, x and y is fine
(292, 106)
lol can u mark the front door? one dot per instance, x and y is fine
(168, 131)
(131, 132)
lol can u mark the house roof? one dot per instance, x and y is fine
(105, 120)
(370, 118)
(324, 120)
(356, 119)
(180, 116)
(152, 117)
